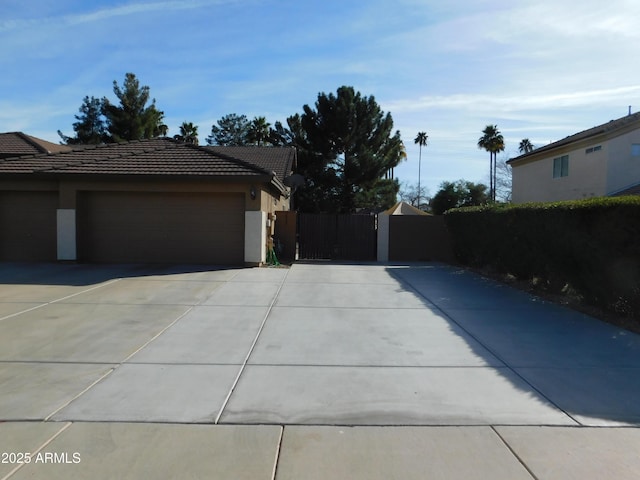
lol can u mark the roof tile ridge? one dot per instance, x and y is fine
(32, 142)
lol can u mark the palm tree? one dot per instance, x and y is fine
(188, 133)
(493, 142)
(421, 139)
(526, 146)
(402, 155)
(259, 130)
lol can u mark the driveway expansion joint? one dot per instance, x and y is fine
(255, 340)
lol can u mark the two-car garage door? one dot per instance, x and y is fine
(135, 227)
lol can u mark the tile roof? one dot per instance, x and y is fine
(158, 157)
(280, 160)
(605, 128)
(17, 143)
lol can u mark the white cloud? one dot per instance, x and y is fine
(111, 12)
(502, 104)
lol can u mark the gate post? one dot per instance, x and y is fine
(383, 237)
(66, 225)
(255, 237)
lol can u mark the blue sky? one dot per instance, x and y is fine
(541, 69)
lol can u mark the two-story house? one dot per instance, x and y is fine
(600, 161)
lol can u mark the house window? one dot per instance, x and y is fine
(594, 149)
(635, 150)
(561, 166)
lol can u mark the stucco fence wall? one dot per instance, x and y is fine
(410, 238)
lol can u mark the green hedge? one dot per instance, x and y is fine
(591, 246)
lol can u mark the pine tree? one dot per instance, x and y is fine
(132, 119)
(231, 131)
(90, 127)
(346, 148)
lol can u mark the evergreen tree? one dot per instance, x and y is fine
(346, 146)
(90, 126)
(132, 119)
(281, 136)
(458, 194)
(380, 195)
(232, 131)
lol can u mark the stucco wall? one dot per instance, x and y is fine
(69, 189)
(603, 172)
(533, 181)
(271, 203)
(623, 168)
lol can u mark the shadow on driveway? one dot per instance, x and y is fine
(587, 368)
(84, 274)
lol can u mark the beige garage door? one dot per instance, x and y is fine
(132, 227)
(28, 226)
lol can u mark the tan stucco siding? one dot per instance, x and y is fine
(272, 203)
(267, 198)
(623, 170)
(533, 181)
(70, 189)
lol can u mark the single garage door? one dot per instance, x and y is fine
(28, 226)
(136, 227)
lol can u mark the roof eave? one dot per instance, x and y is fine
(599, 133)
(111, 177)
(275, 181)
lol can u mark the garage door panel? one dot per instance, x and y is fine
(156, 227)
(28, 226)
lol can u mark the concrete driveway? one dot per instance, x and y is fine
(318, 371)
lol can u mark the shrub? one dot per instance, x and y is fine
(590, 246)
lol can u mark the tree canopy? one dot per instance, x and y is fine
(101, 121)
(188, 133)
(90, 127)
(526, 146)
(346, 145)
(259, 131)
(230, 131)
(132, 119)
(234, 130)
(458, 194)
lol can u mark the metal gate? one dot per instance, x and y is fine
(337, 237)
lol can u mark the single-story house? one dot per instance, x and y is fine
(157, 200)
(14, 144)
(600, 161)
